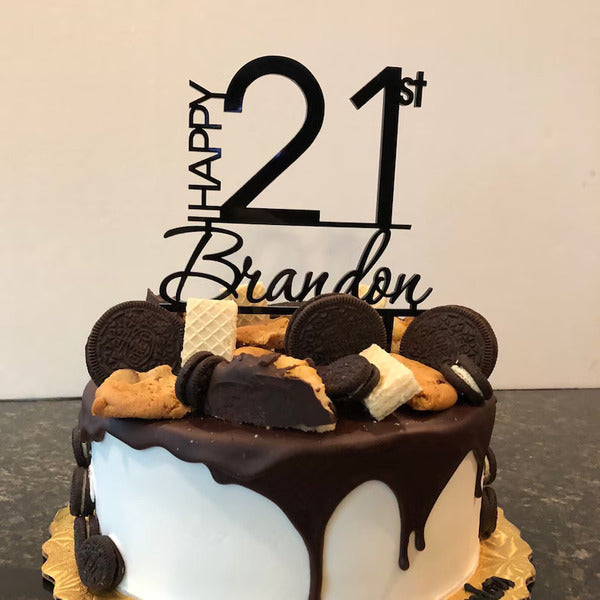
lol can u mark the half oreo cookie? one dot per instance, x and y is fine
(186, 372)
(350, 378)
(199, 380)
(440, 335)
(488, 518)
(100, 563)
(80, 500)
(467, 379)
(490, 467)
(134, 335)
(81, 450)
(332, 326)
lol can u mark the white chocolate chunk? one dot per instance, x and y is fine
(242, 300)
(397, 384)
(210, 325)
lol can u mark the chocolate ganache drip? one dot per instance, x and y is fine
(415, 454)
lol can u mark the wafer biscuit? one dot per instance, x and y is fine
(209, 325)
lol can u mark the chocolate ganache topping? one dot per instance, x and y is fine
(324, 467)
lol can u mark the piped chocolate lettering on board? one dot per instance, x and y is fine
(218, 245)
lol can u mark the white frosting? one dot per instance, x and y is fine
(184, 536)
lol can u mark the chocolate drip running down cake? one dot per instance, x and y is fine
(280, 477)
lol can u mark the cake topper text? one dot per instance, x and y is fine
(397, 90)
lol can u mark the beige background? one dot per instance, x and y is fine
(498, 172)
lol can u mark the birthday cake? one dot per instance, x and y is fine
(310, 462)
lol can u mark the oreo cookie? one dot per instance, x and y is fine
(488, 517)
(490, 467)
(366, 388)
(350, 378)
(80, 533)
(332, 326)
(134, 335)
(186, 371)
(81, 450)
(100, 564)
(199, 380)
(440, 335)
(80, 501)
(467, 379)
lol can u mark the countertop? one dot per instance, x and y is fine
(546, 443)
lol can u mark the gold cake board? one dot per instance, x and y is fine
(505, 554)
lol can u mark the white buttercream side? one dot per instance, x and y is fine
(363, 543)
(184, 536)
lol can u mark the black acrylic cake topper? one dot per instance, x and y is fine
(397, 91)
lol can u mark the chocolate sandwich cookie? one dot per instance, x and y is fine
(332, 326)
(80, 501)
(81, 450)
(199, 380)
(350, 378)
(134, 335)
(80, 533)
(488, 517)
(441, 334)
(186, 371)
(490, 467)
(467, 379)
(100, 564)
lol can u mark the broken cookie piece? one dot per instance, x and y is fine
(396, 386)
(436, 393)
(253, 350)
(400, 326)
(128, 393)
(269, 334)
(270, 391)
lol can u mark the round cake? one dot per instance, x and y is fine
(201, 508)
(257, 474)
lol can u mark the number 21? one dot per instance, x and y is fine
(396, 92)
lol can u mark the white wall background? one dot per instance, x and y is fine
(498, 172)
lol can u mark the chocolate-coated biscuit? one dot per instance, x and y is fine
(490, 467)
(186, 371)
(332, 326)
(441, 334)
(467, 379)
(80, 501)
(100, 564)
(345, 375)
(134, 335)
(199, 380)
(81, 450)
(488, 517)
